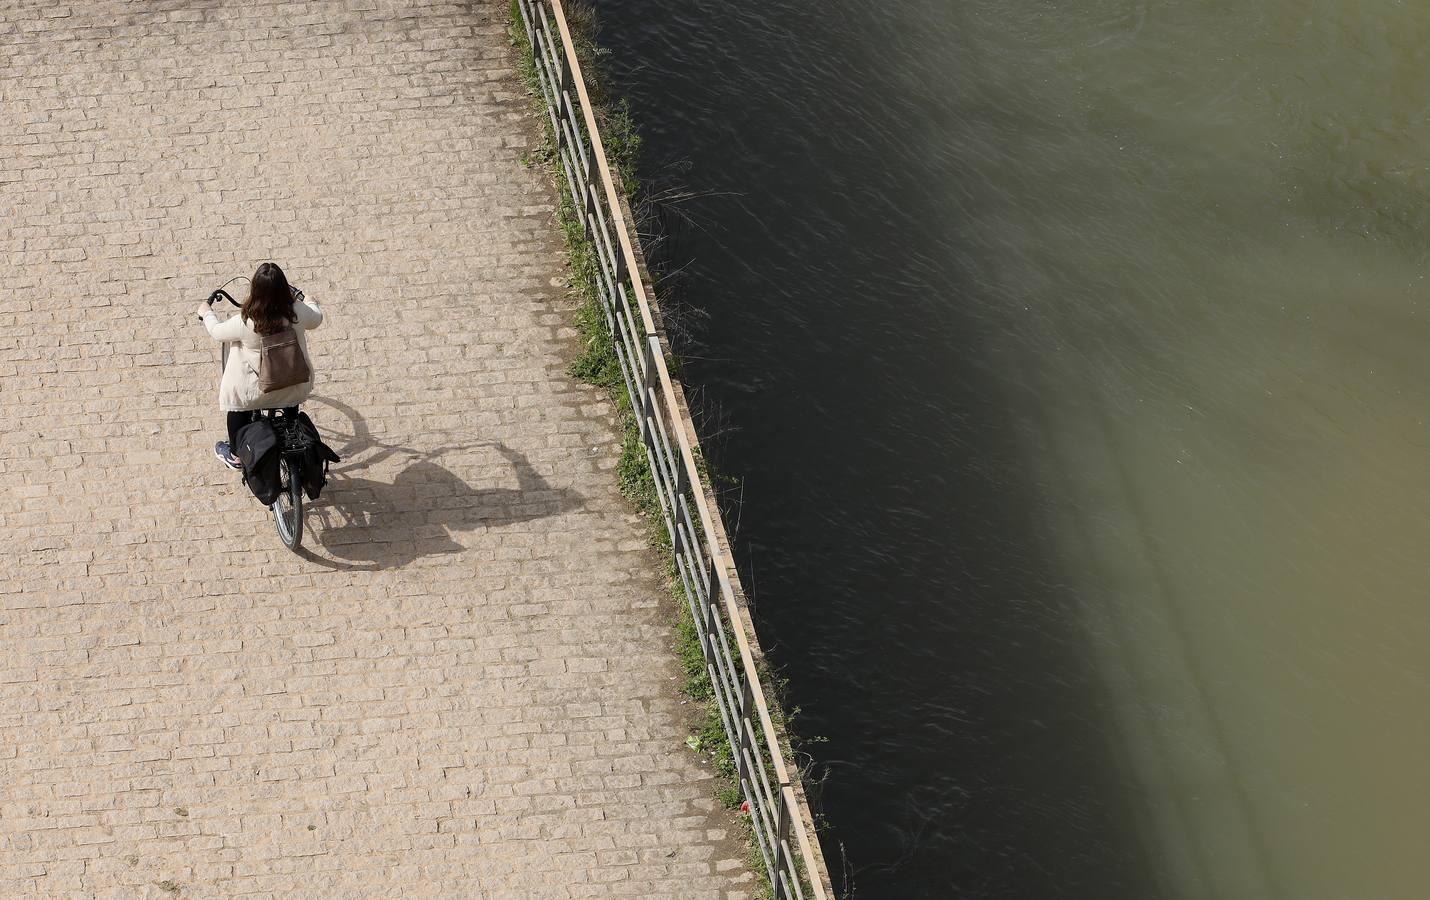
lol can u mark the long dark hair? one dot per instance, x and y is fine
(269, 306)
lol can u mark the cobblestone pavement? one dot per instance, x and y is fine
(467, 688)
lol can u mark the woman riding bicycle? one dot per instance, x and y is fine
(271, 307)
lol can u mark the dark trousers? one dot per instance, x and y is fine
(240, 418)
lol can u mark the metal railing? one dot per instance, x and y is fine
(778, 814)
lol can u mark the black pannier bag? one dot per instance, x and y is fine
(258, 450)
(315, 459)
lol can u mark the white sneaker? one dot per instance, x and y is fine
(225, 455)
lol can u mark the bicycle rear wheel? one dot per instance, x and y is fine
(288, 508)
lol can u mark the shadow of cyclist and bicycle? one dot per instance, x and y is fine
(372, 524)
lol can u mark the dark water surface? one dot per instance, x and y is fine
(1073, 360)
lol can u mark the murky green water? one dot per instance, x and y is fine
(1076, 362)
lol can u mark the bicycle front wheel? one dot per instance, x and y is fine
(288, 508)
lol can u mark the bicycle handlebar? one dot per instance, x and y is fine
(222, 294)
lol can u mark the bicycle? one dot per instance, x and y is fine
(293, 446)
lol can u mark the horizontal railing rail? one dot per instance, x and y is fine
(779, 816)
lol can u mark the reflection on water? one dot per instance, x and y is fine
(1071, 358)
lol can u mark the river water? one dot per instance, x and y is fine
(1072, 362)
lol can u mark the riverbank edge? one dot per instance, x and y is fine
(598, 365)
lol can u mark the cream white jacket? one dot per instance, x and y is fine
(238, 389)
